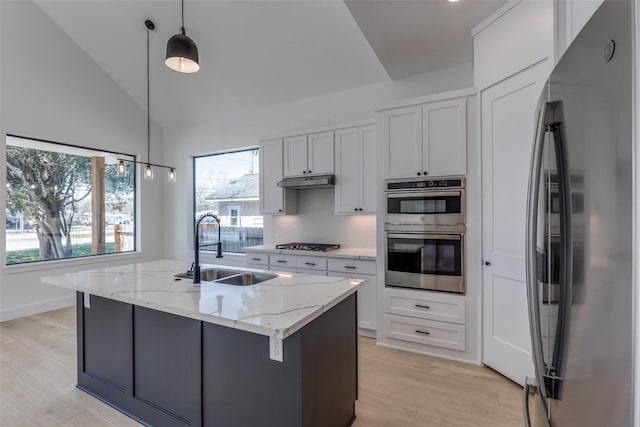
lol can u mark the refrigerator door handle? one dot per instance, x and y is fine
(531, 387)
(533, 302)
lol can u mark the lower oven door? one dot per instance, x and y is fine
(425, 261)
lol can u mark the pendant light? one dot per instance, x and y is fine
(148, 166)
(182, 52)
(148, 171)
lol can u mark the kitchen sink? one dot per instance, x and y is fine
(210, 274)
(246, 279)
(229, 277)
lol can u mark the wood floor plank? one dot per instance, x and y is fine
(397, 388)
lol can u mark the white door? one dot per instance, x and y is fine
(401, 131)
(368, 169)
(507, 129)
(444, 137)
(320, 153)
(295, 156)
(271, 196)
(347, 174)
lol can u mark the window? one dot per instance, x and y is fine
(226, 184)
(65, 201)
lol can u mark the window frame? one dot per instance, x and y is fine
(193, 187)
(43, 264)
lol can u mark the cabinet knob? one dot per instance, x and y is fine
(487, 263)
(424, 173)
(279, 210)
(418, 173)
(355, 209)
(308, 171)
(304, 172)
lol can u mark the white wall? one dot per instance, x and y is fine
(50, 89)
(316, 220)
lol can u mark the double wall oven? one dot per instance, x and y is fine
(424, 232)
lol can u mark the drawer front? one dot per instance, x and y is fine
(311, 272)
(311, 263)
(432, 306)
(356, 266)
(428, 332)
(256, 258)
(277, 261)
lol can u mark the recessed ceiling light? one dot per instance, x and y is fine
(453, 1)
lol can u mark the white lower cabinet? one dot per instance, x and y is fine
(433, 319)
(352, 268)
(429, 332)
(362, 270)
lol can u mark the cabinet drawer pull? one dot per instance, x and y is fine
(422, 306)
(256, 259)
(309, 263)
(418, 331)
(282, 261)
(352, 267)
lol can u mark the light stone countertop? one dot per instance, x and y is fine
(277, 307)
(358, 253)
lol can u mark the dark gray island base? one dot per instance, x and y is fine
(167, 370)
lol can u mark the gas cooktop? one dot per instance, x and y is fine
(317, 247)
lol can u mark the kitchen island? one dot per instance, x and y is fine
(166, 352)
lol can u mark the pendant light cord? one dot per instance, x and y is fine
(148, 107)
(182, 14)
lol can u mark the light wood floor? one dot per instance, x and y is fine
(397, 388)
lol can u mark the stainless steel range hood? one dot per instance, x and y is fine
(305, 182)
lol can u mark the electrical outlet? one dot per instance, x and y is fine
(275, 349)
(276, 238)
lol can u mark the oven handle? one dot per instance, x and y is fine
(426, 236)
(424, 193)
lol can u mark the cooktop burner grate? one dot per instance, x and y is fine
(317, 247)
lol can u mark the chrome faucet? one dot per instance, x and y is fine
(196, 245)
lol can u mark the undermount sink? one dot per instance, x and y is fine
(229, 277)
(246, 279)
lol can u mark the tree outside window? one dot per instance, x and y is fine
(65, 202)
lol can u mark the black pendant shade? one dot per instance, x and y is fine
(182, 53)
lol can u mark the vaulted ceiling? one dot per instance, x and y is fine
(264, 52)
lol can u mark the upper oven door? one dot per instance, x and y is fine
(426, 207)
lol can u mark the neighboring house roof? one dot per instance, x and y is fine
(243, 188)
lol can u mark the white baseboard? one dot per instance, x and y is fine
(39, 307)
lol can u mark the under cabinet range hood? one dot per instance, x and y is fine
(304, 182)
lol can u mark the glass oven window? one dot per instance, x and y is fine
(424, 205)
(424, 256)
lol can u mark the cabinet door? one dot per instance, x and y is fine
(401, 130)
(368, 169)
(295, 156)
(271, 196)
(366, 299)
(320, 153)
(444, 137)
(347, 174)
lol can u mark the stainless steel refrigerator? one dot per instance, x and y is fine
(579, 230)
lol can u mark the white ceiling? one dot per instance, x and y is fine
(265, 52)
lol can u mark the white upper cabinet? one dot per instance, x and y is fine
(427, 139)
(444, 137)
(355, 190)
(308, 154)
(273, 199)
(295, 156)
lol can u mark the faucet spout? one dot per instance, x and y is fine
(196, 244)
